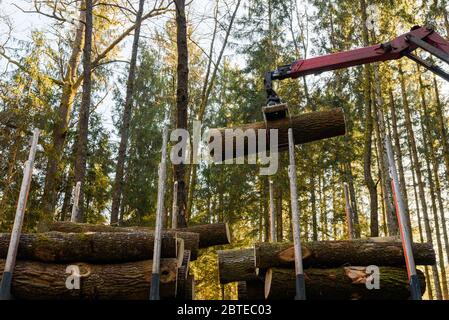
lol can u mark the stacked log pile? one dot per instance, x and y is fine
(113, 262)
(333, 269)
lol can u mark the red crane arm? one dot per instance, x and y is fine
(392, 50)
(404, 45)
(422, 37)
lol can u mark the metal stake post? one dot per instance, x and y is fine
(5, 285)
(415, 290)
(300, 285)
(155, 277)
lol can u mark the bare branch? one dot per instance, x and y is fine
(24, 69)
(153, 13)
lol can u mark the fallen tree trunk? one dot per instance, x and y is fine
(325, 254)
(98, 247)
(251, 290)
(307, 127)
(347, 283)
(34, 280)
(191, 240)
(209, 234)
(236, 265)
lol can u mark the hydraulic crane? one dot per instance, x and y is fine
(402, 46)
(424, 38)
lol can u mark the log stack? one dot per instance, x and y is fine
(336, 270)
(113, 262)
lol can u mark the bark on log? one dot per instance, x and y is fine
(251, 290)
(347, 283)
(328, 254)
(242, 293)
(236, 265)
(97, 247)
(213, 234)
(307, 127)
(191, 239)
(34, 280)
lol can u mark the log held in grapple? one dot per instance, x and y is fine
(307, 127)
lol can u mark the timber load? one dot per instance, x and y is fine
(92, 247)
(108, 262)
(210, 235)
(33, 280)
(324, 254)
(333, 269)
(345, 283)
(306, 127)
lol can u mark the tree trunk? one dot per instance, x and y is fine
(236, 265)
(7, 190)
(307, 127)
(347, 283)
(92, 247)
(435, 169)
(347, 158)
(313, 204)
(117, 189)
(398, 153)
(207, 89)
(60, 127)
(71, 83)
(383, 161)
(68, 188)
(125, 281)
(83, 122)
(426, 138)
(418, 170)
(442, 123)
(279, 218)
(182, 100)
(421, 236)
(337, 253)
(367, 150)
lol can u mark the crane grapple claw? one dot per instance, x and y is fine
(275, 112)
